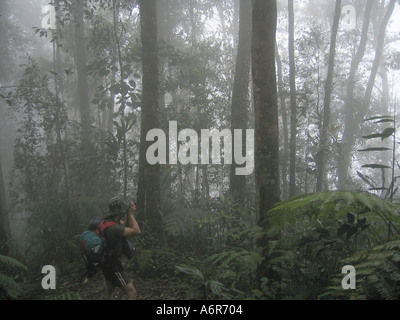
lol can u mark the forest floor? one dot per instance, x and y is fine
(71, 286)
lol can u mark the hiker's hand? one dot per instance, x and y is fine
(132, 208)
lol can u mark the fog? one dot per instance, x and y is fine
(82, 83)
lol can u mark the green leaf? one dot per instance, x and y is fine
(352, 230)
(384, 121)
(387, 133)
(216, 287)
(191, 271)
(375, 149)
(350, 217)
(373, 136)
(379, 118)
(12, 263)
(366, 179)
(384, 135)
(322, 231)
(343, 229)
(376, 166)
(361, 222)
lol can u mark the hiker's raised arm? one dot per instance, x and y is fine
(133, 229)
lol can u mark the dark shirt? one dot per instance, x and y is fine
(114, 237)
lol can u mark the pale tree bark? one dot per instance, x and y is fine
(348, 135)
(285, 129)
(380, 45)
(293, 103)
(324, 141)
(82, 88)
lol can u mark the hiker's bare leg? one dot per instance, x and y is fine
(130, 291)
(109, 295)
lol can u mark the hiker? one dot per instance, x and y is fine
(114, 273)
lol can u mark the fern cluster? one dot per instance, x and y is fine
(9, 270)
(377, 274)
(333, 210)
(227, 247)
(317, 232)
(311, 238)
(65, 296)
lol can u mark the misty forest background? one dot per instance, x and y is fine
(77, 101)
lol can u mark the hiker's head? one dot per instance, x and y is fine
(117, 207)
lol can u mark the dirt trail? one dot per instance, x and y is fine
(70, 285)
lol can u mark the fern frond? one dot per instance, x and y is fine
(191, 271)
(377, 274)
(11, 288)
(333, 206)
(11, 263)
(65, 296)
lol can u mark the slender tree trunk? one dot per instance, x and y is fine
(193, 26)
(111, 107)
(4, 219)
(285, 129)
(378, 55)
(351, 117)
(240, 96)
(83, 88)
(80, 60)
(5, 67)
(58, 88)
(348, 135)
(324, 142)
(149, 174)
(293, 104)
(266, 119)
(5, 42)
(123, 94)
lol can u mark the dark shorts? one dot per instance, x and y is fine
(117, 276)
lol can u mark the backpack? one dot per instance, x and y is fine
(93, 244)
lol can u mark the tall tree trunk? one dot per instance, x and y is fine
(293, 104)
(285, 129)
(5, 42)
(123, 95)
(240, 96)
(149, 174)
(4, 219)
(349, 121)
(4, 72)
(266, 119)
(324, 142)
(83, 88)
(58, 88)
(378, 55)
